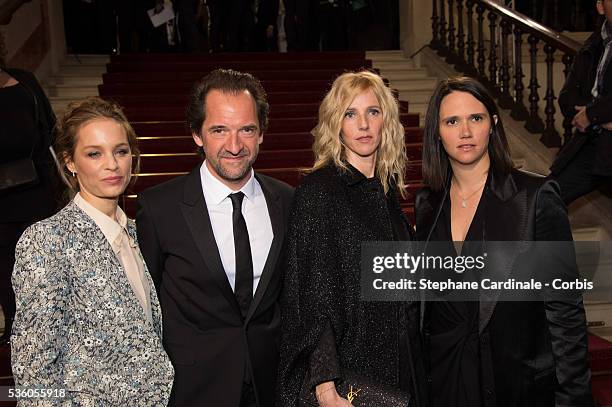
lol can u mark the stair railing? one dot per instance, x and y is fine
(459, 33)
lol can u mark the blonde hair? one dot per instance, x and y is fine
(328, 146)
(77, 115)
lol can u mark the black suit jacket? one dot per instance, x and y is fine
(204, 334)
(577, 92)
(532, 353)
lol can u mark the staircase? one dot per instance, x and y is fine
(78, 77)
(153, 89)
(413, 82)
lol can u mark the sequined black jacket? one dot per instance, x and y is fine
(333, 212)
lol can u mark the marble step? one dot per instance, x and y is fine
(385, 55)
(397, 73)
(425, 84)
(599, 318)
(74, 91)
(394, 64)
(414, 96)
(86, 59)
(74, 80)
(82, 70)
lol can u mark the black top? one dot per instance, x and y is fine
(18, 134)
(325, 325)
(453, 330)
(530, 352)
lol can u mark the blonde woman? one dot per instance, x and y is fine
(350, 196)
(88, 322)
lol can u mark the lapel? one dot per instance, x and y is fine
(154, 301)
(505, 202)
(95, 239)
(196, 216)
(429, 204)
(277, 216)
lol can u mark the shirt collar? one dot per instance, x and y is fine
(216, 191)
(111, 228)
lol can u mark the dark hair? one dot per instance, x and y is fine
(436, 164)
(77, 115)
(227, 81)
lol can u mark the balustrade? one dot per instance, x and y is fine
(497, 61)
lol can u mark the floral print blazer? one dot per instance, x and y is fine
(78, 324)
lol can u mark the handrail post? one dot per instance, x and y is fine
(481, 47)
(505, 100)
(493, 54)
(434, 25)
(470, 68)
(534, 123)
(451, 56)
(551, 137)
(519, 111)
(460, 36)
(567, 121)
(443, 48)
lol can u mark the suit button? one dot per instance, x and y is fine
(488, 393)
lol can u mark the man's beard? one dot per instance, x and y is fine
(230, 175)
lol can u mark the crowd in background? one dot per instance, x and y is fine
(99, 26)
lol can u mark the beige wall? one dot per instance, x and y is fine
(22, 25)
(34, 38)
(415, 24)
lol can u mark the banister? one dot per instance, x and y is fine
(499, 58)
(8, 8)
(559, 41)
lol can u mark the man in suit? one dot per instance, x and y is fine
(213, 242)
(585, 162)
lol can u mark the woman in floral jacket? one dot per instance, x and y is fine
(88, 323)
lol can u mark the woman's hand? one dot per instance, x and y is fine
(327, 396)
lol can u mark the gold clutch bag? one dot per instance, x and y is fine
(360, 391)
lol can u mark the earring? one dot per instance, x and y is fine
(73, 174)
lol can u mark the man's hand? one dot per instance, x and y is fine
(270, 31)
(607, 126)
(581, 120)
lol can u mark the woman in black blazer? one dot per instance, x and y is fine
(330, 337)
(492, 353)
(26, 121)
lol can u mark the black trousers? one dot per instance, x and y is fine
(187, 24)
(577, 178)
(9, 235)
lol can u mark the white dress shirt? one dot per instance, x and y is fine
(256, 216)
(125, 248)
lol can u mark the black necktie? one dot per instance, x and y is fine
(243, 287)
